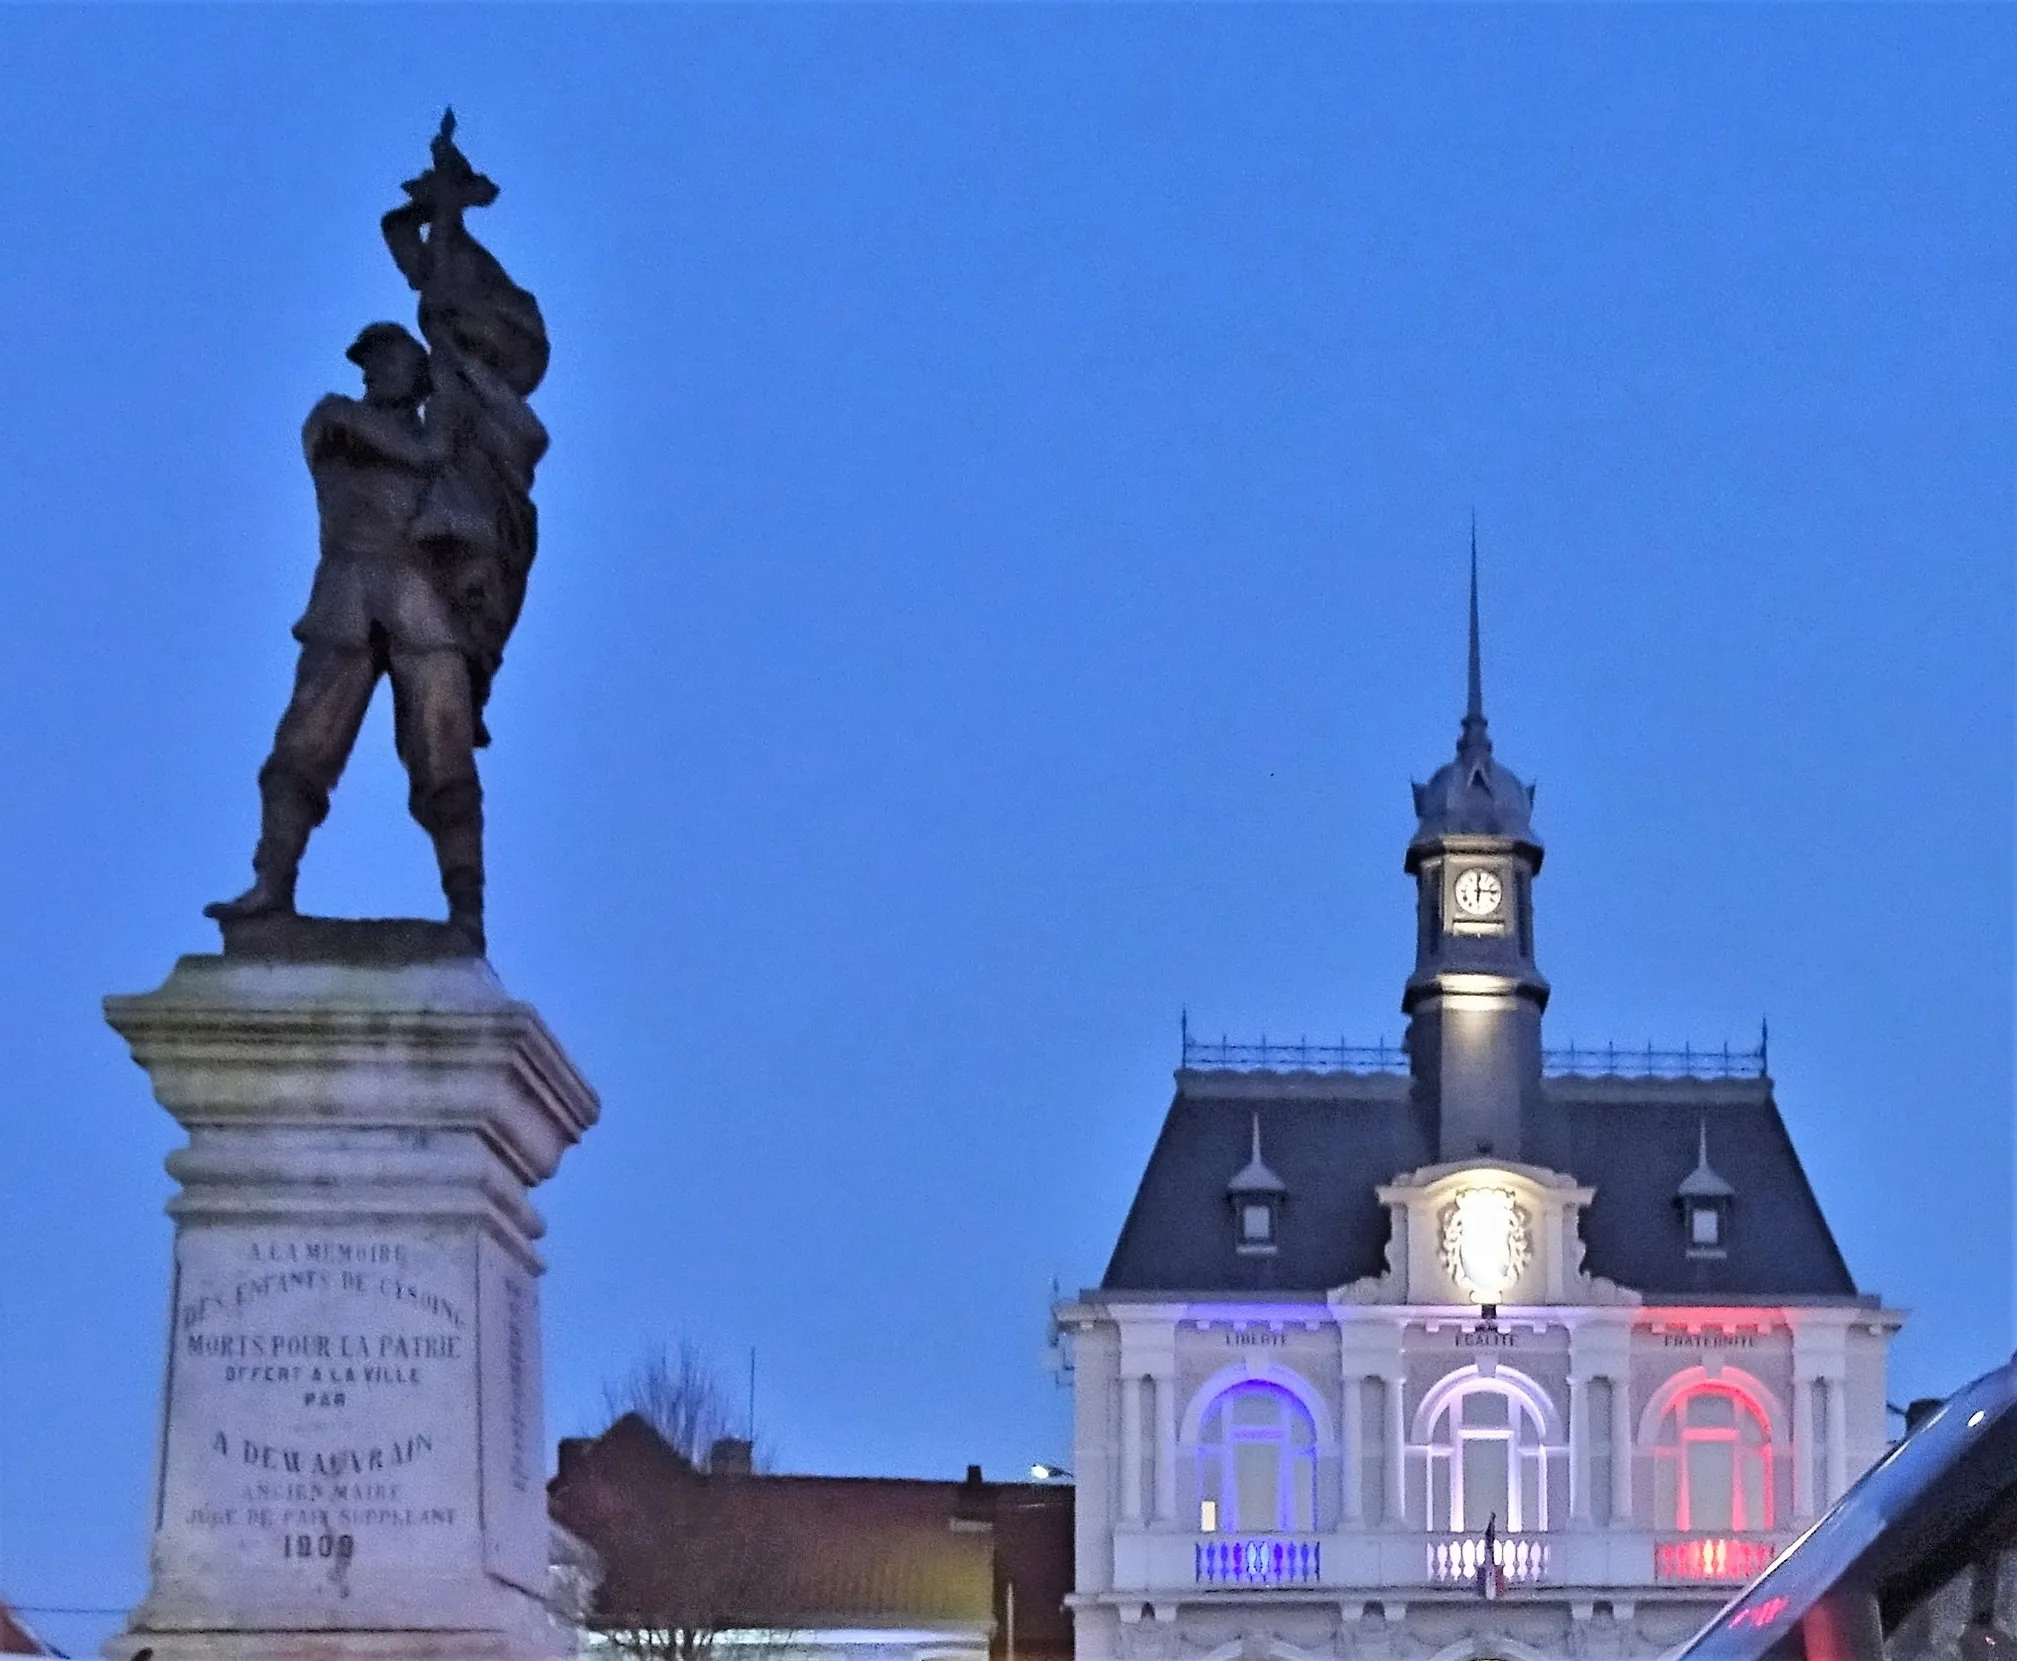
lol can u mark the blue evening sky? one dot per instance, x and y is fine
(1002, 566)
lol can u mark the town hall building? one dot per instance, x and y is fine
(1475, 1351)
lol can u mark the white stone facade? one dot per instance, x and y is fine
(1311, 1475)
(1482, 1449)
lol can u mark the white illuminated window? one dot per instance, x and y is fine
(1712, 1463)
(1256, 1223)
(1257, 1462)
(1487, 1460)
(1705, 1226)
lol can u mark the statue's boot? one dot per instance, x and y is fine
(458, 847)
(285, 819)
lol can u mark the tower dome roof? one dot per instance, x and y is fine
(1475, 794)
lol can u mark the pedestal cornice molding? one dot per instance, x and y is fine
(427, 1047)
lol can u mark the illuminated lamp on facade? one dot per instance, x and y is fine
(1712, 1557)
(1485, 1243)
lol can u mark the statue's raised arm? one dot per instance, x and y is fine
(489, 349)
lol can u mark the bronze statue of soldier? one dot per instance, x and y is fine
(423, 487)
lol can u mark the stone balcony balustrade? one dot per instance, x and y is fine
(1160, 1563)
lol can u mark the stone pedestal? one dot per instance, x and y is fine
(352, 1446)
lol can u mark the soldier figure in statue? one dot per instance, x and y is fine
(424, 488)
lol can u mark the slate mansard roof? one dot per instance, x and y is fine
(1334, 1137)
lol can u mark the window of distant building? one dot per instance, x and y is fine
(1487, 1458)
(1712, 1461)
(1257, 1462)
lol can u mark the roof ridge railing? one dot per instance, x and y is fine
(1627, 1061)
(1572, 1061)
(1301, 1056)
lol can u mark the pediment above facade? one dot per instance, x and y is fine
(1485, 1232)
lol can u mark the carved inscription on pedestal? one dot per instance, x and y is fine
(514, 1462)
(320, 1392)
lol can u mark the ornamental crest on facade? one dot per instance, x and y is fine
(1484, 1242)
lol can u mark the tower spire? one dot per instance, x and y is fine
(1474, 705)
(1475, 998)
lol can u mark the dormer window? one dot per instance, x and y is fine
(1256, 1196)
(1705, 1200)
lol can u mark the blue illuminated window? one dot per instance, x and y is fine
(1257, 1462)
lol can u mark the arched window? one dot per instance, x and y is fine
(1487, 1460)
(1257, 1462)
(1712, 1462)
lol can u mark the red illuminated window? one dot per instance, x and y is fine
(1712, 1463)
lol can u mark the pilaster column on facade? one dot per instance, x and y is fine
(1351, 1453)
(1579, 1450)
(1370, 1347)
(1600, 1348)
(1865, 1392)
(1165, 1386)
(1621, 1448)
(1095, 1358)
(1396, 1450)
(1803, 1448)
(1148, 1357)
(1837, 1439)
(1820, 1362)
(1131, 1445)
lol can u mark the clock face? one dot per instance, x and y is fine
(1479, 892)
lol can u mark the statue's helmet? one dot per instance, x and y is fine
(393, 346)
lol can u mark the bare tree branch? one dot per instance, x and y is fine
(713, 1560)
(679, 1394)
(682, 1396)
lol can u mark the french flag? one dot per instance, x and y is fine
(1491, 1578)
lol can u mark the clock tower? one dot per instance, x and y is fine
(1566, 1328)
(1475, 998)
